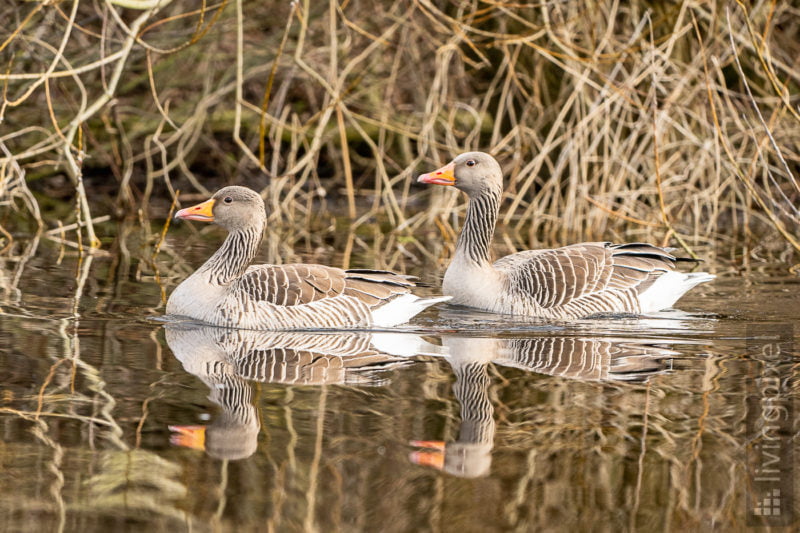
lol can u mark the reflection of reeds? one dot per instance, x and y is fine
(566, 452)
(653, 120)
(60, 480)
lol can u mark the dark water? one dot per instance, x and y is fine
(462, 421)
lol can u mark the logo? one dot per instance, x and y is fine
(770, 415)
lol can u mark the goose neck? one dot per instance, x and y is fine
(237, 252)
(476, 236)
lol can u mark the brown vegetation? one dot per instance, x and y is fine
(672, 121)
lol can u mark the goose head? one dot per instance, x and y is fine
(475, 173)
(234, 208)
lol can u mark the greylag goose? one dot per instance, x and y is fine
(563, 283)
(583, 359)
(228, 291)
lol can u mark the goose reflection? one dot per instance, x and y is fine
(227, 360)
(582, 359)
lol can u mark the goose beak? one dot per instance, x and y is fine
(433, 458)
(193, 437)
(444, 176)
(202, 212)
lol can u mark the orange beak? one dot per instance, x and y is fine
(203, 212)
(444, 176)
(433, 458)
(193, 437)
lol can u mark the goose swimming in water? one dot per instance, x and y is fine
(563, 283)
(228, 291)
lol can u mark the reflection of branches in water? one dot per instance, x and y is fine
(630, 453)
(661, 450)
(72, 398)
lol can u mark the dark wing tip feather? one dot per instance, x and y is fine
(380, 276)
(644, 249)
(377, 271)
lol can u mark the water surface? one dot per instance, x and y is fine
(460, 421)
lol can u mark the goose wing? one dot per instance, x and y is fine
(565, 276)
(374, 287)
(298, 284)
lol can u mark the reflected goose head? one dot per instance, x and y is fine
(234, 208)
(475, 173)
(226, 438)
(461, 459)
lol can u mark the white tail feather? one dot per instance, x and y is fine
(668, 288)
(401, 309)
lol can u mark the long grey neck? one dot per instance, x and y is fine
(234, 256)
(476, 237)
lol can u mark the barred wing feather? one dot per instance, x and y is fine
(564, 276)
(298, 284)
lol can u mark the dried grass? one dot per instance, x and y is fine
(669, 122)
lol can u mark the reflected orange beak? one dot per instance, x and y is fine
(444, 176)
(193, 437)
(202, 212)
(433, 459)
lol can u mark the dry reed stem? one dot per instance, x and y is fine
(268, 88)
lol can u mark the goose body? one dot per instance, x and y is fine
(563, 283)
(227, 290)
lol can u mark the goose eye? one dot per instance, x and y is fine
(228, 200)
(471, 162)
